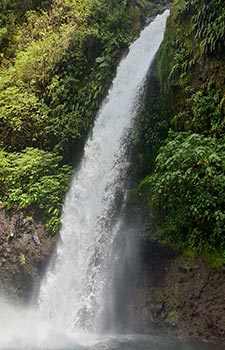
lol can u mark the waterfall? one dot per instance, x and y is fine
(72, 293)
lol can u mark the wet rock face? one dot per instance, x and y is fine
(186, 301)
(25, 249)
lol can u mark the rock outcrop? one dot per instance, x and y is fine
(25, 248)
(178, 296)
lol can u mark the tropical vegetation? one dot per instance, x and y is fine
(57, 60)
(185, 175)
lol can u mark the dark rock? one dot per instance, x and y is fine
(183, 269)
(36, 239)
(18, 281)
(197, 302)
(156, 308)
(209, 321)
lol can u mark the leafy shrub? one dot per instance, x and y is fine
(34, 179)
(187, 191)
(64, 59)
(23, 118)
(180, 63)
(202, 114)
(35, 63)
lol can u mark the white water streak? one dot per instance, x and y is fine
(72, 293)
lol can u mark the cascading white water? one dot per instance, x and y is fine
(72, 293)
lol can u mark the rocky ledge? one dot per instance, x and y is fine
(25, 248)
(179, 296)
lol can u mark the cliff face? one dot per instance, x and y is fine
(178, 296)
(180, 290)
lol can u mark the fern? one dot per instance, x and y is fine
(209, 25)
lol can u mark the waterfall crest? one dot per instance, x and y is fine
(72, 293)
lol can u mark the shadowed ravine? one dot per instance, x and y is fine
(75, 299)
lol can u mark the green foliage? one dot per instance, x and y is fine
(23, 118)
(33, 65)
(57, 61)
(34, 179)
(175, 59)
(185, 185)
(215, 258)
(208, 22)
(203, 113)
(165, 57)
(22, 259)
(187, 191)
(172, 318)
(181, 63)
(210, 26)
(64, 59)
(185, 8)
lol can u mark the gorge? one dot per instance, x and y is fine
(109, 273)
